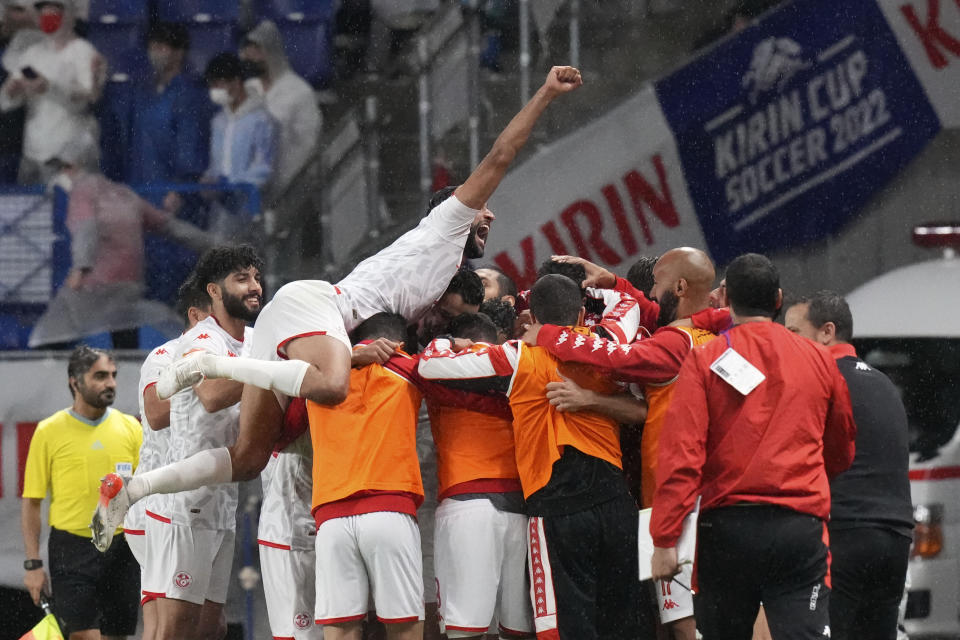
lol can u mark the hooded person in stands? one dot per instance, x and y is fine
(104, 289)
(60, 79)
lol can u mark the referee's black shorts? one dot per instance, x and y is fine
(93, 590)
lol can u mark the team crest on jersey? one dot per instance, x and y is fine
(301, 621)
(182, 579)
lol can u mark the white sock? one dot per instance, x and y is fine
(284, 376)
(212, 466)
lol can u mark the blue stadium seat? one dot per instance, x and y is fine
(207, 40)
(308, 46)
(198, 10)
(295, 9)
(122, 11)
(122, 45)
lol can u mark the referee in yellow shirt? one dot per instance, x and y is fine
(95, 595)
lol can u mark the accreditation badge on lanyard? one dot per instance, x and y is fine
(737, 370)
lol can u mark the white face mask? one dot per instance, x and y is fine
(159, 60)
(61, 180)
(220, 97)
(254, 86)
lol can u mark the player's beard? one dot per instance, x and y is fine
(668, 308)
(100, 400)
(472, 250)
(236, 308)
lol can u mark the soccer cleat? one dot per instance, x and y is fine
(183, 373)
(112, 507)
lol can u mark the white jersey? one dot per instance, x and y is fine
(193, 429)
(413, 272)
(285, 520)
(153, 451)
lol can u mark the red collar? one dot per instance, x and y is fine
(842, 350)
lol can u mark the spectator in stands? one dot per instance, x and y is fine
(392, 23)
(289, 99)
(243, 135)
(59, 80)
(104, 289)
(171, 114)
(17, 34)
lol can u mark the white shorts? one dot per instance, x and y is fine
(481, 563)
(372, 554)
(427, 454)
(136, 540)
(288, 584)
(299, 309)
(673, 601)
(187, 564)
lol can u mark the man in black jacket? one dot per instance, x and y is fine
(871, 516)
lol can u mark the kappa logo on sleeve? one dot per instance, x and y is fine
(203, 336)
(159, 352)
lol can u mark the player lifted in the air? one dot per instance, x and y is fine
(301, 347)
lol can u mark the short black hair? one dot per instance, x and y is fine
(572, 270)
(828, 306)
(505, 283)
(473, 326)
(223, 66)
(640, 274)
(503, 314)
(439, 196)
(391, 326)
(556, 299)
(192, 294)
(82, 358)
(172, 34)
(219, 262)
(468, 284)
(753, 286)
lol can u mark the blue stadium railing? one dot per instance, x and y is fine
(35, 252)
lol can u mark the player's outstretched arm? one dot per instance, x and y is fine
(487, 176)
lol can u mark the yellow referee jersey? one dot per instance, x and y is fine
(68, 456)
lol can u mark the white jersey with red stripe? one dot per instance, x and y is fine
(193, 429)
(620, 317)
(153, 451)
(285, 520)
(412, 273)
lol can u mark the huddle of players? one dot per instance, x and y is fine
(527, 437)
(504, 453)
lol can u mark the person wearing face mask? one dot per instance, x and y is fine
(104, 289)
(289, 99)
(243, 134)
(171, 114)
(18, 32)
(60, 78)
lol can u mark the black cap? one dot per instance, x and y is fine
(223, 66)
(171, 34)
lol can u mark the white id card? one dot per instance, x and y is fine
(737, 371)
